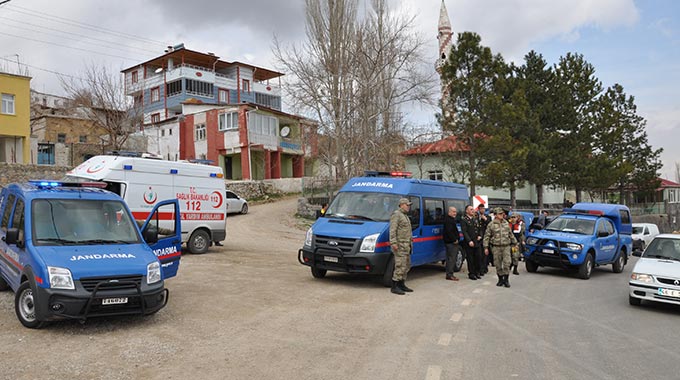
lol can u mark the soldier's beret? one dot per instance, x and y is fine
(498, 210)
(403, 201)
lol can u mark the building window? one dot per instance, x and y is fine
(270, 101)
(135, 76)
(262, 124)
(436, 175)
(45, 154)
(170, 132)
(61, 137)
(246, 85)
(200, 132)
(7, 104)
(162, 132)
(155, 117)
(173, 88)
(199, 88)
(223, 95)
(83, 139)
(155, 94)
(228, 121)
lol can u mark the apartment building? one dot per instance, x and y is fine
(15, 129)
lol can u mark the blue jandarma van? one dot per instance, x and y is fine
(73, 251)
(353, 234)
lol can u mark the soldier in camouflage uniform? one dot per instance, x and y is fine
(401, 245)
(499, 236)
(518, 229)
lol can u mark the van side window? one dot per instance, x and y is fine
(625, 216)
(18, 220)
(433, 212)
(8, 211)
(414, 213)
(458, 204)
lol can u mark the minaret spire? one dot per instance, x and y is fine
(445, 37)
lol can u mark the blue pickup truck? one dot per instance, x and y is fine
(74, 251)
(582, 237)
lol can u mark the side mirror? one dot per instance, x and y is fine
(637, 253)
(150, 235)
(12, 236)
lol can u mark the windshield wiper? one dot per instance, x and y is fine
(361, 217)
(102, 241)
(57, 240)
(662, 257)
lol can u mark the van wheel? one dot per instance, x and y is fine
(634, 301)
(459, 261)
(318, 273)
(531, 266)
(244, 209)
(199, 242)
(389, 271)
(618, 265)
(586, 267)
(3, 284)
(24, 305)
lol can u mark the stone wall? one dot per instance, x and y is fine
(10, 173)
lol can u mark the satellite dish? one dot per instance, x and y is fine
(285, 131)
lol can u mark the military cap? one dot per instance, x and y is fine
(498, 210)
(403, 201)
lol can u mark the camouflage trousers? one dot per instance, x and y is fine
(402, 264)
(502, 259)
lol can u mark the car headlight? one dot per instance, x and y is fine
(573, 246)
(60, 278)
(153, 272)
(642, 277)
(368, 244)
(308, 237)
(532, 240)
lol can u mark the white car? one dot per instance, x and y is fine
(643, 233)
(656, 275)
(236, 204)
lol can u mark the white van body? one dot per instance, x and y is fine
(141, 182)
(643, 233)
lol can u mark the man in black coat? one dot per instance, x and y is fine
(451, 239)
(472, 242)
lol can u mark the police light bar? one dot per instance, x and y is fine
(583, 212)
(376, 173)
(47, 184)
(401, 174)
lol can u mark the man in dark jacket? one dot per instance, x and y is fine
(451, 239)
(472, 242)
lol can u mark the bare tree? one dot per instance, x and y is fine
(677, 172)
(353, 76)
(100, 94)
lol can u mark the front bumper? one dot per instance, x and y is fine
(558, 258)
(142, 299)
(651, 292)
(374, 263)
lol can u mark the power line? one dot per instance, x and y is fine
(79, 24)
(46, 70)
(117, 47)
(72, 47)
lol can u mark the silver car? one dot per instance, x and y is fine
(656, 275)
(236, 204)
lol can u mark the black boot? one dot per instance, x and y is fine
(506, 281)
(396, 289)
(514, 271)
(403, 287)
(500, 280)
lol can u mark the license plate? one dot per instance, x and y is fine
(330, 259)
(550, 251)
(669, 292)
(114, 301)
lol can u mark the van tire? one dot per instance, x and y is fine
(24, 306)
(634, 301)
(389, 271)
(3, 284)
(199, 242)
(318, 273)
(586, 268)
(617, 266)
(244, 209)
(531, 265)
(460, 257)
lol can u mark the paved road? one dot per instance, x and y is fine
(248, 310)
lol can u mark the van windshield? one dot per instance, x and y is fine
(81, 222)
(376, 207)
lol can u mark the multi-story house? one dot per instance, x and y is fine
(197, 106)
(15, 129)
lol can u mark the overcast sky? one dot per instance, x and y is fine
(633, 43)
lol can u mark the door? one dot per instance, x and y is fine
(164, 222)
(607, 241)
(430, 246)
(12, 254)
(420, 251)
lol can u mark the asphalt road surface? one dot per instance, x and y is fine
(249, 310)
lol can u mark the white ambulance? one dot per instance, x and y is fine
(141, 182)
